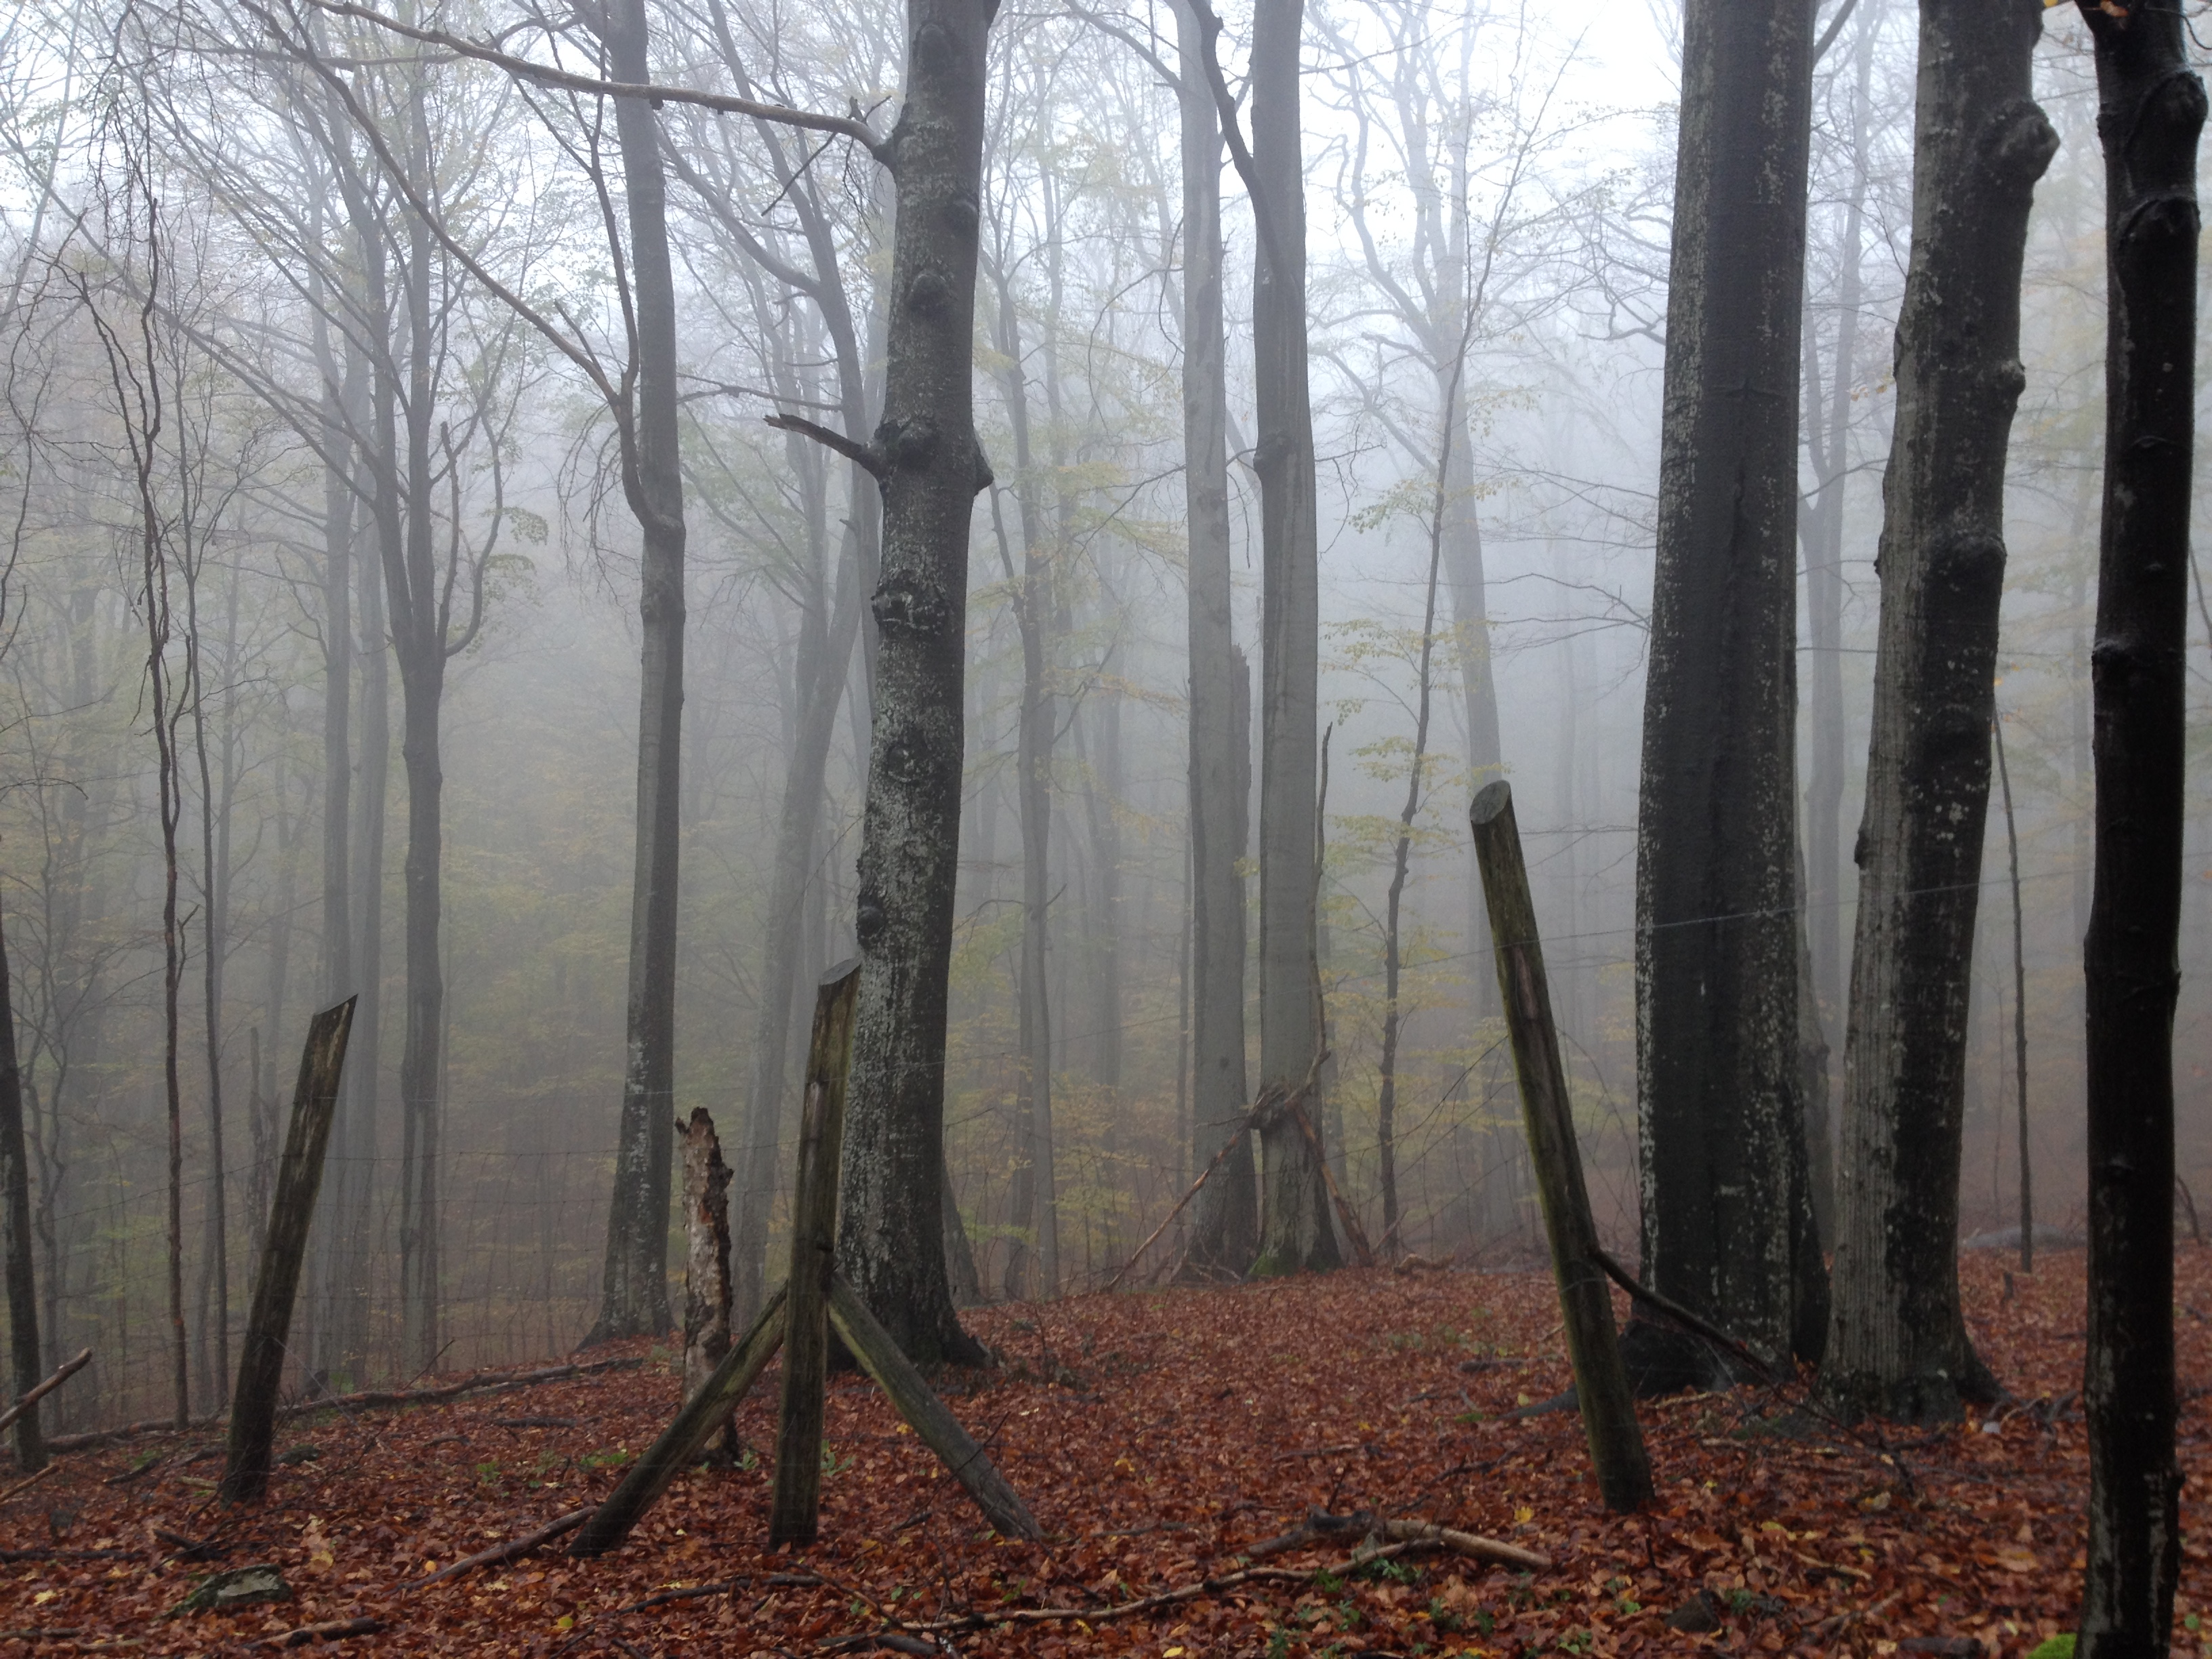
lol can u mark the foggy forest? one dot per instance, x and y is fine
(563, 526)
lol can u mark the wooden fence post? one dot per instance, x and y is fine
(794, 1512)
(276, 1281)
(1616, 1440)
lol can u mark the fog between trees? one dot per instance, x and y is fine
(306, 237)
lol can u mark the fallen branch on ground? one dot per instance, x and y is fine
(370, 1397)
(506, 1551)
(331, 1630)
(1694, 1323)
(7, 1418)
(1318, 1526)
(22, 1486)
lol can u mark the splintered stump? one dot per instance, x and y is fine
(276, 1281)
(1616, 1440)
(707, 1253)
(797, 1319)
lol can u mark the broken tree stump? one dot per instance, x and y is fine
(794, 1512)
(276, 1281)
(707, 1252)
(1616, 1439)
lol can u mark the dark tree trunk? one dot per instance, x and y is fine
(890, 1240)
(1225, 1231)
(15, 1264)
(1897, 1345)
(1727, 1221)
(1296, 1232)
(2150, 112)
(634, 1290)
(276, 1276)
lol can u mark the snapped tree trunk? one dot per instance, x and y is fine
(276, 1280)
(931, 466)
(1897, 1345)
(633, 1293)
(707, 1252)
(1225, 1229)
(15, 1263)
(2150, 112)
(1727, 1219)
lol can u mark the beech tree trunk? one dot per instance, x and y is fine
(1033, 1263)
(2150, 111)
(1727, 1220)
(1897, 1345)
(1827, 419)
(1225, 1230)
(633, 1289)
(1297, 1231)
(15, 1263)
(891, 1237)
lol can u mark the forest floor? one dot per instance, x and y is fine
(1157, 1437)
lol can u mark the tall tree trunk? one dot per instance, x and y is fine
(24, 1367)
(353, 1219)
(1727, 1220)
(1485, 750)
(412, 593)
(337, 1339)
(633, 1289)
(1297, 1231)
(1033, 1263)
(1897, 1344)
(1401, 853)
(1828, 433)
(2150, 111)
(891, 1242)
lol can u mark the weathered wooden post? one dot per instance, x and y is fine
(276, 1280)
(797, 1319)
(1616, 1440)
(679, 1442)
(794, 1513)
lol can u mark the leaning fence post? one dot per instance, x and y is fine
(1616, 1440)
(794, 1513)
(276, 1281)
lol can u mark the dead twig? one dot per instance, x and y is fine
(507, 1552)
(25, 1486)
(1319, 1525)
(330, 1631)
(7, 1418)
